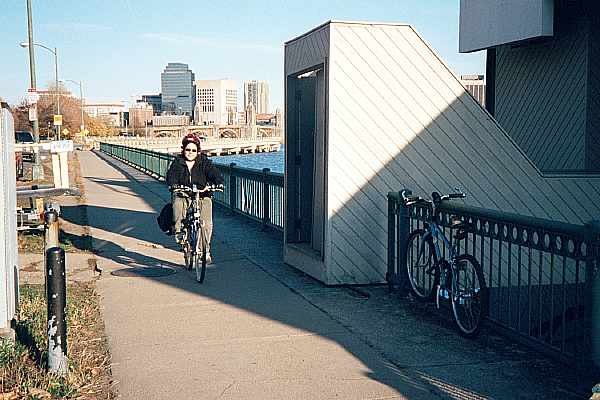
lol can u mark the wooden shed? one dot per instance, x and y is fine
(371, 108)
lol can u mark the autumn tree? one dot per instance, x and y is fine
(70, 109)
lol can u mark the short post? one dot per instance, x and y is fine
(403, 233)
(57, 303)
(51, 228)
(232, 188)
(266, 199)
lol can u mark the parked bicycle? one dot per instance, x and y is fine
(458, 277)
(195, 240)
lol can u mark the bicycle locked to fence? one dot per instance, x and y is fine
(195, 241)
(457, 277)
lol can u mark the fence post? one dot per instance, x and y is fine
(266, 199)
(57, 303)
(403, 233)
(592, 316)
(232, 188)
(391, 259)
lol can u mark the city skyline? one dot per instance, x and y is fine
(118, 50)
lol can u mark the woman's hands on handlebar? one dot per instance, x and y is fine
(186, 189)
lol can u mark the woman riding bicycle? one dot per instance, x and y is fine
(188, 169)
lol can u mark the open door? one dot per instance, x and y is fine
(305, 161)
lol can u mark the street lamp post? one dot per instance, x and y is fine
(37, 171)
(55, 52)
(82, 126)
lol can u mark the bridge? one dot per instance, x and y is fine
(211, 146)
(218, 131)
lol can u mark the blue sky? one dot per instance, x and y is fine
(118, 48)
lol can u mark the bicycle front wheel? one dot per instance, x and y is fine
(187, 254)
(423, 274)
(200, 261)
(469, 295)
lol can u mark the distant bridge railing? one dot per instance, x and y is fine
(257, 194)
(540, 273)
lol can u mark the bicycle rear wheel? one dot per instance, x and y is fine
(200, 261)
(423, 274)
(469, 295)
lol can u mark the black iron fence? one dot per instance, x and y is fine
(254, 193)
(541, 274)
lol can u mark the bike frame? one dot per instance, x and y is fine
(433, 233)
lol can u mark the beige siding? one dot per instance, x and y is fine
(399, 118)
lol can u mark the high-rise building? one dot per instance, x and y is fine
(155, 100)
(216, 102)
(177, 89)
(476, 85)
(257, 93)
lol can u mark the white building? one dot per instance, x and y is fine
(257, 93)
(110, 113)
(216, 102)
(475, 84)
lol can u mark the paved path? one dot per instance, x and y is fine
(259, 329)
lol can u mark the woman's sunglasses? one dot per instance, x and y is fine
(191, 150)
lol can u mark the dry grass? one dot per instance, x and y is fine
(23, 363)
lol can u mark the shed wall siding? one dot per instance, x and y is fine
(593, 111)
(308, 51)
(541, 92)
(400, 118)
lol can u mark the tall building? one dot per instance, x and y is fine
(155, 100)
(257, 93)
(177, 89)
(476, 85)
(216, 102)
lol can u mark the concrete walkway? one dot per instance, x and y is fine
(259, 329)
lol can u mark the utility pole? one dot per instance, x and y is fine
(38, 171)
(57, 90)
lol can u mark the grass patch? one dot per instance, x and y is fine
(33, 241)
(23, 362)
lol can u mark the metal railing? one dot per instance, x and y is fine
(257, 194)
(540, 273)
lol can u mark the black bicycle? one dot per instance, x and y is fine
(195, 240)
(459, 277)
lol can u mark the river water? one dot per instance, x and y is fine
(274, 160)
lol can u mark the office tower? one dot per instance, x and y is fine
(177, 89)
(257, 93)
(216, 102)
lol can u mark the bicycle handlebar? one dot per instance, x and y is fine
(194, 189)
(409, 200)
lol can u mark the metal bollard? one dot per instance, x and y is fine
(57, 314)
(51, 231)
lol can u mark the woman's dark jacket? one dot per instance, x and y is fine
(203, 173)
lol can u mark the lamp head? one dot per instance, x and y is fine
(24, 44)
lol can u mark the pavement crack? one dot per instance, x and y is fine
(226, 389)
